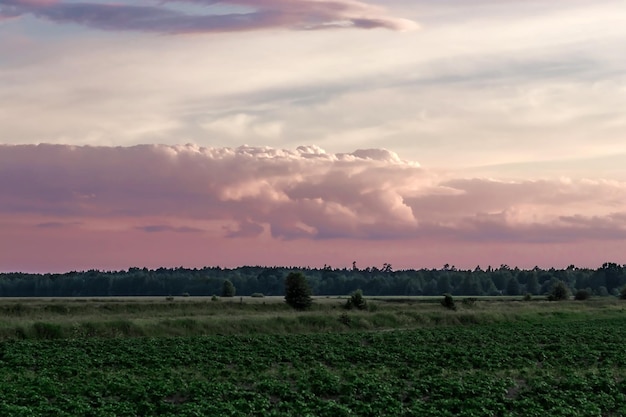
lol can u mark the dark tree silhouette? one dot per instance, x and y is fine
(228, 289)
(559, 292)
(513, 288)
(297, 291)
(532, 285)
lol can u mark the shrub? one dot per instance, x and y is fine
(582, 295)
(169, 298)
(559, 292)
(356, 300)
(257, 295)
(622, 294)
(215, 298)
(185, 294)
(297, 291)
(528, 297)
(448, 302)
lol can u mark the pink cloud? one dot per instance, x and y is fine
(40, 3)
(293, 14)
(252, 198)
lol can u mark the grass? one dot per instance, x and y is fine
(186, 316)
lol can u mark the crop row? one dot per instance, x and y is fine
(558, 368)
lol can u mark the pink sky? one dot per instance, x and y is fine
(416, 133)
(68, 207)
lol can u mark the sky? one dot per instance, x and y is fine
(311, 132)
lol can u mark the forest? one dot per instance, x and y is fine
(247, 280)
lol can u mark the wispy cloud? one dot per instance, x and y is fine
(158, 18)
(298, 194)
(158, 228)
(57, 225)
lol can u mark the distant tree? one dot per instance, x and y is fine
(228, 289)
(297, 291)
(470, 286)
(501, 278)
(613, 274)
(602, 291)
(443, 285)
(430, 288)
(622, 294)
(356, 300)
(513, 288)
(532, 285)
(559, 292)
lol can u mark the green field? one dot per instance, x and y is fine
(243, 357)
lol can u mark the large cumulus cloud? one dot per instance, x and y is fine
(304, 193)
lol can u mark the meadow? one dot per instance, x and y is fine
(402, 356)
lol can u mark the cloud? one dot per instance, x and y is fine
(530, 87)
(304, 193)
(245, 228)
(156, 228)
(57, 225)
(292, 14)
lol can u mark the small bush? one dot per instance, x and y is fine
(448, 302)
(559, 292)
(169, 298)
(185, 294)
(257, 295)
(527, 297)
(356, 300)
(582, 295)
(215, 298)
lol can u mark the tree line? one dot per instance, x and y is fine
(606, 280)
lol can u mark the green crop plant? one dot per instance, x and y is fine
(509, 369)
